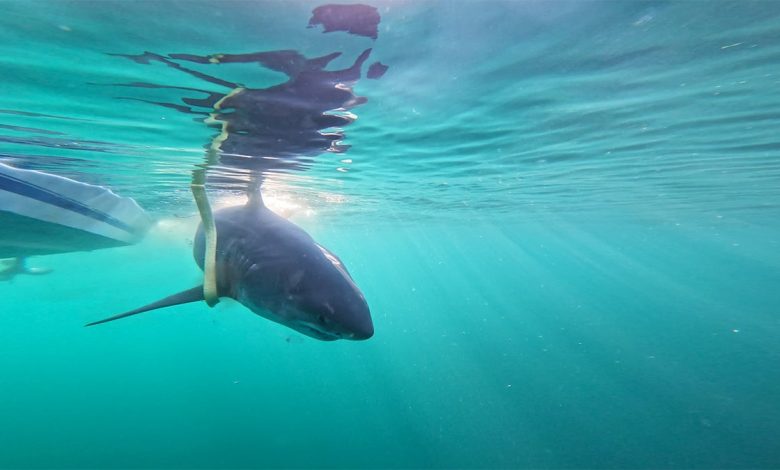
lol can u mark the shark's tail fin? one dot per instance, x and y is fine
(191, 295)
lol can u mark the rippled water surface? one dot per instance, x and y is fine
(563, 215)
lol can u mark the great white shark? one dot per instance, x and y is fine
(277, 270)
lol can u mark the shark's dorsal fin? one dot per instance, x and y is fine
(255, 200)
(184, 297)
(254, 194)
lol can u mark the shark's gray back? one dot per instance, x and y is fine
(255, 244)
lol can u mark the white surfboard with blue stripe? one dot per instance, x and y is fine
(41, 213)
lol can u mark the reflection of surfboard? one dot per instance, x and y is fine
(42, 214)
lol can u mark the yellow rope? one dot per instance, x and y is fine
(198, 188)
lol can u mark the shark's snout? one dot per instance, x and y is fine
(361, 327)
(345, 316)
(363, 333)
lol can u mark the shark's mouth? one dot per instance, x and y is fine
(314, 332)
(290, 318)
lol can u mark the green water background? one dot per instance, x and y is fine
(495, 347)
(564, 220)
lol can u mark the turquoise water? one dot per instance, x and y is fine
(564, 217)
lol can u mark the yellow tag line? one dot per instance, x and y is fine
(198, 188)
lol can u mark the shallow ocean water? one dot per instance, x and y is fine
(564, 216)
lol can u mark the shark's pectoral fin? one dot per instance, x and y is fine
(184, 297)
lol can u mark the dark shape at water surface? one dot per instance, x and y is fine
(274, 268)
(362, 20)
(376, 70)
(282, 127)
(275, 128)
(288, 120)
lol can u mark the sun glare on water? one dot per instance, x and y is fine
(274, 197)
